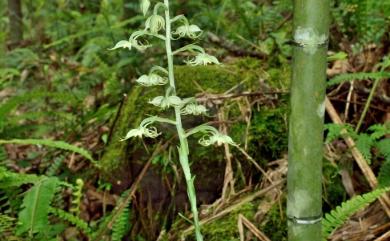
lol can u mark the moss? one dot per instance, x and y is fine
(334, 192)
(275, 223)
(226, 228)
(114, 154)
(268, 132)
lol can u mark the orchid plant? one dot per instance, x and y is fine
(159, 25)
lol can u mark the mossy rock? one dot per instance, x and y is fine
(243, 74)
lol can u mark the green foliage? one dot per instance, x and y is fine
(362, 21)
(10, 179)
(358, 76)
(56, 144)
(340, 214)
(54, 167)
(384, 172)
(7, 225)
(33, 218)
(15, 101)
(364, 141)
(121, 225)
(72, 219)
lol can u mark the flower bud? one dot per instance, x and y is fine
(151, 80)
(191, 31)
(155, 23)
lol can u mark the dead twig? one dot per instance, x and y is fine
(243, 221)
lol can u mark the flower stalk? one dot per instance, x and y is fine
(165, 76)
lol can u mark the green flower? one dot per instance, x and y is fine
(194, 109)
(191, 31)
(216, 138)
(155, 23)
(203, 59)
(143, 130)
(132, 42)
(166, 101)
(151, 80)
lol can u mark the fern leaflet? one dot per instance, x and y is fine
(76, 221)
(121, 224)
(33, 218)
(340, 214)
(57, 144)
(364, 143)
(11, 179)
(384, 174)
(358, 76)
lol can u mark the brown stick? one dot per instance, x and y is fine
(362, 163)
(260, 235)
(384, 237)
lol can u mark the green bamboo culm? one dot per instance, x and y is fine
(304, 202)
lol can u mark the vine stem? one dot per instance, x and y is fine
(183, 148)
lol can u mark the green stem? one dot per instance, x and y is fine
(183, 149)
(367, 105)
(304, 202)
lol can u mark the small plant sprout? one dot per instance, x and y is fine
(157, 76)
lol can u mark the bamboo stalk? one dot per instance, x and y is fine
(304, 202)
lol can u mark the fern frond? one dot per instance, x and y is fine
(76, 221)
(6, 223)
(77, 195)
(384, 147)
(11, 179)
(364, 144)
(340, 214)
(57, 144)
(54, 167)
(121, 224)
(15, 101)
(33, 218)
(379, 130)
(358, 76)
(335, 131)
(384, 174)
